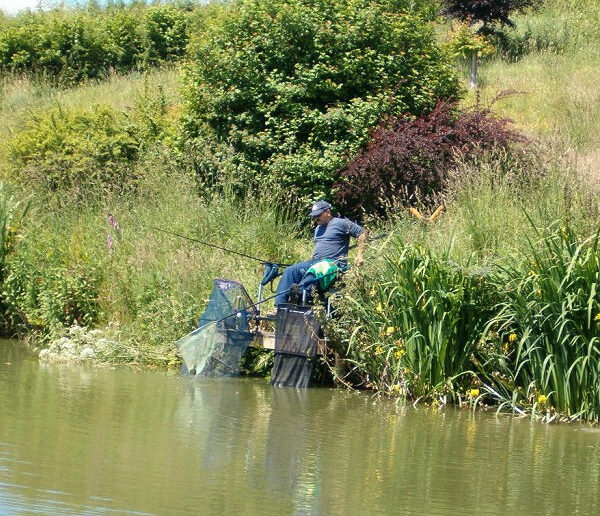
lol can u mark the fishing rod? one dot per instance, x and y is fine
(231, 251)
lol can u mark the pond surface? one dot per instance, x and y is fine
(83, 440)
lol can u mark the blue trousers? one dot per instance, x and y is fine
(292, 274)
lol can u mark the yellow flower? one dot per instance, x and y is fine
(379, 307)
(399, 353)
(505, 349)
(378, 350)
(532, 273)
(542, 399)
(395, 389)
(389, 330)
(512, 337)
(474, 393)
(597, 318)
(406, 370)
(372, 292)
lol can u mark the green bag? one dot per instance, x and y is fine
(325, 272)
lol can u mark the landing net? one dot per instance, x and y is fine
(216, 347)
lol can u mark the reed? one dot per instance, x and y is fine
(416, 319)
(547, 328)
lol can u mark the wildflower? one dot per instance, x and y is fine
(372, 292)
(597, 318)
(378, 350)
(512, 337)
(379, 308)
(395, 389)
(406, 370)
(542, 399)
(110, 243)
(532, 273)
(474, 393)
(389, 330)
(399, 353)
(505, 349)
(113, 222)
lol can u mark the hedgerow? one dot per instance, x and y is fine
(71, 45)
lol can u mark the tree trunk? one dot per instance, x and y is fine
(474, 70)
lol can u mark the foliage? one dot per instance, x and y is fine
(86, 151)
(558, 27)
(408, 159)
(49, 297)
(464, 42)
(410, 326)
(281, 92)
(12, 213)
(75, 149)
(71, 45)
(487, 12)
(548, 329)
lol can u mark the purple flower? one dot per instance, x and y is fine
(113, 222)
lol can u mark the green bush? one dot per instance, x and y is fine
(166, 31)
(283, 92)
(87, 151)
(75, 149)
(47, 298)
(70, 45)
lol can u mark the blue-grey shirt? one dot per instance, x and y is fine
(333, 239)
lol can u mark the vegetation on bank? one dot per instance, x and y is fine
(494, 302)
(72, 45)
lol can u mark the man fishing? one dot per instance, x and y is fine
(332, 241)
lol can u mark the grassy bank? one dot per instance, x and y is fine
(551, 61)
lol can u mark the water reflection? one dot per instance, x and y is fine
(77, 440)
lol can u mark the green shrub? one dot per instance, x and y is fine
(44, 299)
(69, 45)
(75, 149)
(166, 30)
(283, 92)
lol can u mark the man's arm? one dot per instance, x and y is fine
(362, 241)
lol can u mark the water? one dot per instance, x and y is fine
(81, 440)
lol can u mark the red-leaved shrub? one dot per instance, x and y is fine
(409, 159)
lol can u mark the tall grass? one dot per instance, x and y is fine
(556, 73)
(551, 307)
(149, 284)
(493, 301)
(411, 326)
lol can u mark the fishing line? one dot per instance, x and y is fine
(231, 251)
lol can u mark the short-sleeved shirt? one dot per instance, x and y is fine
(332, 240)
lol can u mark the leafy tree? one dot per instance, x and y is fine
(284, 92)
(486, 12)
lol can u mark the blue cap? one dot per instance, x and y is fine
(319, 207)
